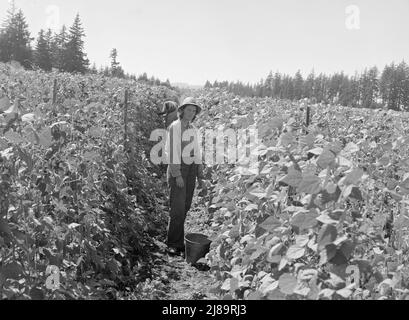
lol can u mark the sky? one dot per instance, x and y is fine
(192, 41)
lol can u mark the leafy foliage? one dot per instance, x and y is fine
(72, 194)
(322, 202)
(75, 195)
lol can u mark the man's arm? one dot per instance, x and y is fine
(174, 168)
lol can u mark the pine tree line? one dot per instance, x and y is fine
(370, 89)
(62, 51)
(15, 38)
(108, 72)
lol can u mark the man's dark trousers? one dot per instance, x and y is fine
(180, 203)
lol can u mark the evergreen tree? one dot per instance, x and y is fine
(94, 69)
(59, 50)
(346, 94)
(6, 34)
(298, 86)
(11, 12)
(51, 39)
(207, 84)
(402, 85)
(22, 50)
(385, 86)
(320, 88)
(116, 69)
(75, 57)
(360, 90)
(309, 85)
(143, 77)
(269, 85)
(259, 90)
(288, 87)
(354, 90)
(15, 40)
(333, 84)
(114, 56)
(277, 89)
(42, 54)
(106, 72)
(369, 88)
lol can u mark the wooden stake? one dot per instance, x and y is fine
(126, 118)
(308, 116)
(55, 92)
(307, 121)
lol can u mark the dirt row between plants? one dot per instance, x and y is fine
(171, 277)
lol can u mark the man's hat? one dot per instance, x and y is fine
(190, 102)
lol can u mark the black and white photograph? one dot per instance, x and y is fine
(197, 155)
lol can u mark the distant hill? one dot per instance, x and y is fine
(186, 85)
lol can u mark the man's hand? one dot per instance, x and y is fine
(179, 182)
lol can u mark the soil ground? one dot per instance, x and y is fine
(175, 279)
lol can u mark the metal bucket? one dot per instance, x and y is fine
(197, 246)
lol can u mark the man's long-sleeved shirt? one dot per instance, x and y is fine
(174, 169)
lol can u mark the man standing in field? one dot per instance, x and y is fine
(170, 111)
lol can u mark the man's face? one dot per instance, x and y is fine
(189, 113)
